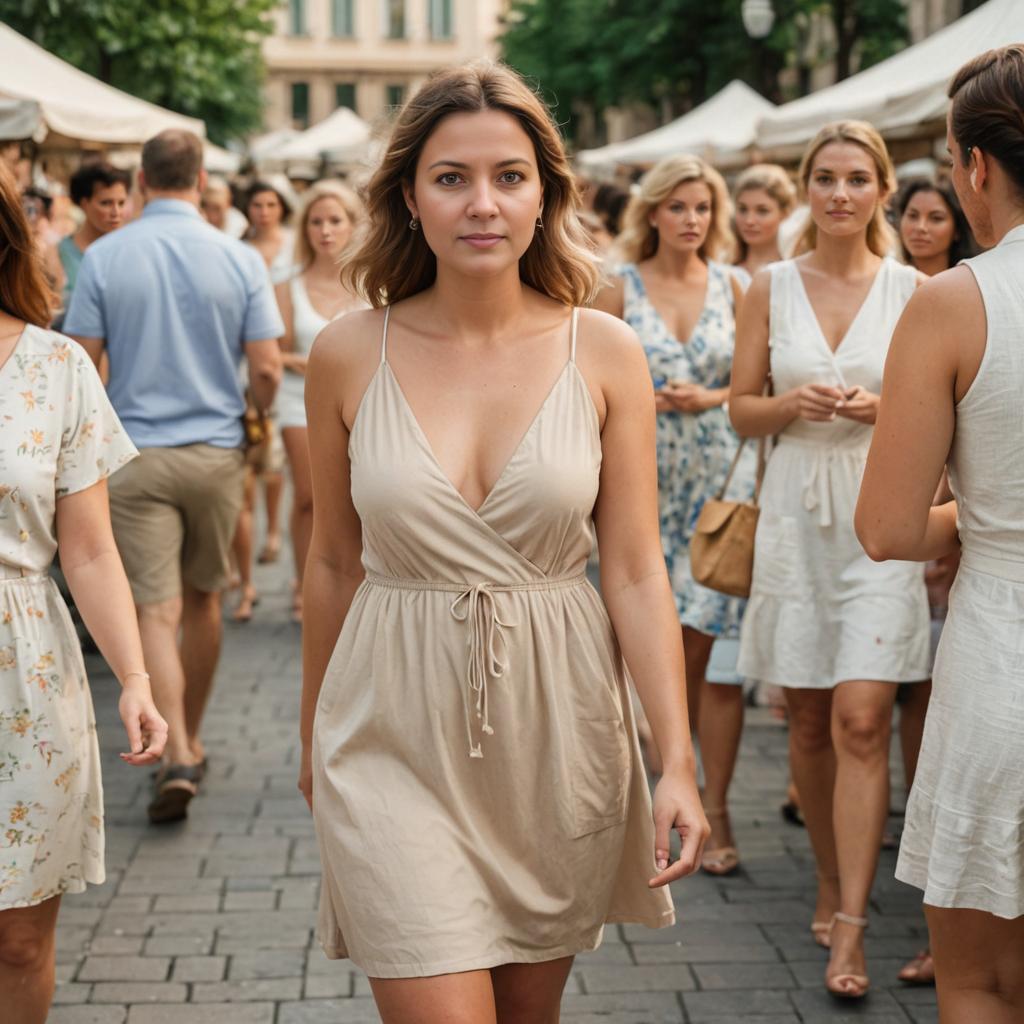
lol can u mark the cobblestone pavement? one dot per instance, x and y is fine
(211, 922)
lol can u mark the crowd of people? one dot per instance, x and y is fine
(446, 363)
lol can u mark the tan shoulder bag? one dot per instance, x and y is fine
(722, 546)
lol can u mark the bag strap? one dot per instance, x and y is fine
(761, 461)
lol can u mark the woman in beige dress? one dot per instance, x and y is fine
(59, 441)
(469, 750)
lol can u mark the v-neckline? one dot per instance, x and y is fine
(421, 434)
(14, 350)
(834, 352)
(645, 293)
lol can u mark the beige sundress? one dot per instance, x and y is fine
(478, 791)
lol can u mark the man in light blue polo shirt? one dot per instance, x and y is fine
(177, 306)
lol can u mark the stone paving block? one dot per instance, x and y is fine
(291, 939)
(187, 902)
(657, 978)
(198, 968)
(251, 901)
(249, 990)
(70, 992)
(641, 1007)
(323, 986)
(329, 1011)
(166, 867)
(703, 1007)
(208, 1013)
(139, 992)
(727, 976)
(66, 971)
(167, 886)
(285, 963)
(87, 1015)
(179, 945)
(697, 953)
(815, 1005)
(124, 968)
(116, 945)
(606, 953)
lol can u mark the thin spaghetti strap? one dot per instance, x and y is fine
(575, 324)
(384, 337)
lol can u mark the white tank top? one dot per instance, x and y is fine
(986, 462)
(307, 323)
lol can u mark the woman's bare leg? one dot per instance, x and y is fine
(301, 524)
(697, 652)
(912, 715)
(813, 767)
(530, 993)
(242, 547)
(27, 961)
(273, 488)
(466, 998)
(719, 731)
(979, 966)
(861, 734)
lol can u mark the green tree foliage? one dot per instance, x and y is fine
(672, 54)
(198, 57)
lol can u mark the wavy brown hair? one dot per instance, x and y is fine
(393, 262)
(881, 238)
(988, 109)
(24, 292)
(639, 240)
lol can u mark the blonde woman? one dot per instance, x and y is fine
(681, 303)
(764, 197)
(837, 631)
(468, 743)
(331, 213)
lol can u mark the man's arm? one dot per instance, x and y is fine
(264, 358)
(84, 320)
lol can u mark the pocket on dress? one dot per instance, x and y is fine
(775, 554)
(600, 774)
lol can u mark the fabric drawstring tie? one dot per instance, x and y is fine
(817, 493)
(488, 653)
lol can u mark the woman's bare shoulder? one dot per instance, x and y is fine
(350, 340)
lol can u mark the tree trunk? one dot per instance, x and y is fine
(845, 36)
(106, 68)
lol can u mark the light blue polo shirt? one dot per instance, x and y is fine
(176, 301)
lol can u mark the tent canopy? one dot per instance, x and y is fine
(19, 119)
(904, 92)
(342, 135)
(76, 105)
(723, 124)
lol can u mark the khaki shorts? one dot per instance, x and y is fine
(174, 512)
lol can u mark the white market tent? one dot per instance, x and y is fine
(218, 160)
(75, 105)
(341, 137)
(722, 125)
(903, 95)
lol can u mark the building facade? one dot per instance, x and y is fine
(367, 54)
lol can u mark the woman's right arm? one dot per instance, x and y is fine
(752, 412)
(289, 360)
(334, 567)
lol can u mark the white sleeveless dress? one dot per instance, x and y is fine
(820, 611)
(963, 841)
(307, 324)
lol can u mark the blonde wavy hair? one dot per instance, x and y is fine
(639, 240)
(881, 238)
(393, 262)
(329, 188)
(769, 178)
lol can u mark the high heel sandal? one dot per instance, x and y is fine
(822, 933)
(840, 984)
(722, 860)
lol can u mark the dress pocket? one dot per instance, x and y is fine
(775, 554)
(600, 774)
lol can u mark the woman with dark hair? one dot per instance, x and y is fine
(268, 211)
(468, 747)
(953, 382)
(59, 441)
(933, 230)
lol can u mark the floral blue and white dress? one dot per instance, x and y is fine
(694, 449)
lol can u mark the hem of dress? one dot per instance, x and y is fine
(951, 900)
(73, 887)
(376, 969)
(921, 676)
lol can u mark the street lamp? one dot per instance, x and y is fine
(758, 17)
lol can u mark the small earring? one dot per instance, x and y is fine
(414, 224)
(540, 224)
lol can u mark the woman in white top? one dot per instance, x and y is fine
(268, 211)
(762, 199)
(953, 386)
(330, 215)
(823, 621)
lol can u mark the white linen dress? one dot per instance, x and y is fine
(820, 611)
(963, 838)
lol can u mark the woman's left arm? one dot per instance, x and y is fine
(92, 567)
(635, 586)
(938, 337)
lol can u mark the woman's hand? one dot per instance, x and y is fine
(147, 731)
(859, 405)
(687, 397)
(306, 776)
(677, 806)
(819, 403)
(294, 363)
(662, 403)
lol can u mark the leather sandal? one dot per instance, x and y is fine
(822, 933)
(846, 984)
(176, 785)
(722, 860)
